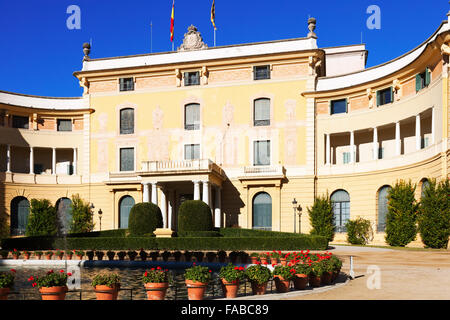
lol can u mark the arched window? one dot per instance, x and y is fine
(127, 121)
(382, 207)
(340, 200)
(192, 116)
(262, 211)
(20, 210)
(425, 185)
(125, 205)
(64, 214)
(261, 112)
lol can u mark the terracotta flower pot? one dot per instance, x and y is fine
(26, 256)
(103, 292)
(230, 289)
(281, 284)
(196, 290)
(69, 256)
(38, 256)
(53, 293)
(79, 257)
(259, 289)
(253, 260)
(48, 256)
(314, 281)
(4, 293)
(263, 260)
(283, 261)
(15, 256)
(326, 278)
(156, 291)
(300, 281)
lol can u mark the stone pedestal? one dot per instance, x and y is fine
(163, 233)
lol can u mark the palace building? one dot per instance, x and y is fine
(245, 128)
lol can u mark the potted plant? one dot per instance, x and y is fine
(233, 256)
(327, 273)
(258, 275)
(165, 255)
(143, 254)
(59, 254)
(48, 255)
(106, 286)
(26, 254)
(79, 254)
(263, 257)
(187, 256)
(283, 276)
(222, 255)
(15, 254)
(315, 274)
(38, 254)
(132, 254)
(99, 255)
(121, 255)
(197, 279)
(156, 282)
(231, 276)
(302, 270)
(90, 254)
(337, 265)
(69, 254)
(274, 256)
(243, 256)
(254, 257)
(6, 283)
(52, 286)
(199, 256)
(177, 255)
(154, 255)
(211, 256)
(111, 255)
(4, 254)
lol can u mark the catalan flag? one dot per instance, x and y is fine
(172, 21)
(213, 14)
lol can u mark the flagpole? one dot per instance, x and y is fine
(214, 37)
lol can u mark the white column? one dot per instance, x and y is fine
(433, 139)
(352, 147)
(327, 151)
(146, 192)
(164, 208)
(170, 209)
(74, 162)
(218, 208)
(31, 160)
(196, 190)
(398, 142)
(53, 160)
(154, 193)
(206, 193)
(8, 158)
(418, 137)
(375, 143)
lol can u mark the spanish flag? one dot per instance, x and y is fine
(213, 14)
(172, 21)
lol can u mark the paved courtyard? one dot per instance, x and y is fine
(404, 275)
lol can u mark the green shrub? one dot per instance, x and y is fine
(359, 231)
(434, 215)
(82, 216)
(42, 220)
(194, 215)
(144, 218)
(195, 234)
(402, 212)
(321, 218)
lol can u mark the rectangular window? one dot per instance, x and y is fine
(127, 159)
(425, 142)
(380, 153)
(338, 106)
(192, 116)
(385, 96)
(261, 72)
(192, 152)
(20, 122)
(261, 112)
(261, 154)
(346, 157)
(192, 78)
(126, 84)
(64, 125)
(127, 121)
(423, 79)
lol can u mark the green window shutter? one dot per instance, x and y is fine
(378, 98)
(418, 82)
(427, 76)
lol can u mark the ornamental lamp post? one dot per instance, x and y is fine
(300, 218)
(294, 205)
(100, 212)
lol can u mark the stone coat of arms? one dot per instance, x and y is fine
(192, 40)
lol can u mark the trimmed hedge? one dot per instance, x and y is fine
(300, 242)
(194, 215)
(95, 234)
(198, 234)
(144, 218)
(238, 232)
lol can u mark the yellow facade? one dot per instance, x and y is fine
(308, 154)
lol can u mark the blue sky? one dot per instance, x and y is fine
(39, 53)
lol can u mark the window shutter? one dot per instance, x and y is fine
(427, 76)
(418, 82)
(378, 98)
(346, 105)
(392, 94)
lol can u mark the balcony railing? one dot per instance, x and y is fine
(257, 171)
(179, 165)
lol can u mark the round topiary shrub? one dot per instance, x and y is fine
(144, 218)
(359, 231)
(194, 215)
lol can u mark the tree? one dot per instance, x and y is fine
(82, 216)
(194, 215)
(434, 214)
(321, 217)
(359, 231)
(42, 220)
(401, 217)
(144, 219)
